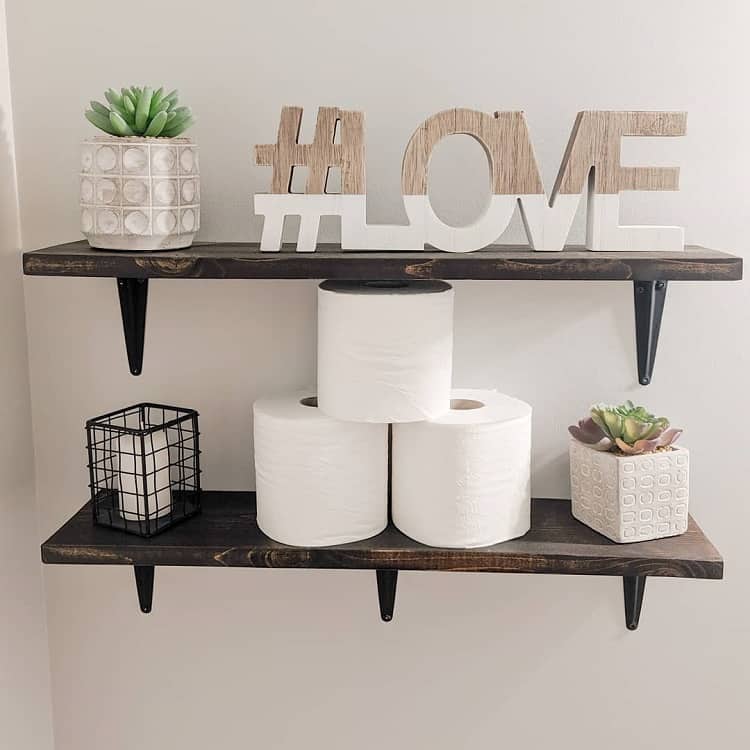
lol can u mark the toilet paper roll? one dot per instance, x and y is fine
(319, 481)
(385, 350)
(131, 455)
(462, 480)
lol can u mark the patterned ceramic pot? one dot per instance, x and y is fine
(630, 498)
(139, 193)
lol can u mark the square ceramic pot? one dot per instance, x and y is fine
(630, 498)
(140, 193)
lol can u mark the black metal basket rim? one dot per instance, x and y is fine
(136, 431)
(150, 404)
(139, 431)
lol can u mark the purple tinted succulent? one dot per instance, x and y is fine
(587, 431)
(663, 440)
(631, 429)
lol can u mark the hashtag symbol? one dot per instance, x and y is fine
(320, 155)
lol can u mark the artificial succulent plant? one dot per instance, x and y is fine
(626, 428)
(139, 110)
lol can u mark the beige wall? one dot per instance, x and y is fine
(25, 706)
(280, 659)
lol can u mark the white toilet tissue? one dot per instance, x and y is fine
(385, 350)
(319, 481)
(462, 480)
(131, 456)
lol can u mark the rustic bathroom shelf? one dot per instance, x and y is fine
(648, 271)
(226, 535)
(243, 260)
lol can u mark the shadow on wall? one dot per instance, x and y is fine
(8, 203)
(10, 262)
(13, 371)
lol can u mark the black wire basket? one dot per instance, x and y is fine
(144, 467)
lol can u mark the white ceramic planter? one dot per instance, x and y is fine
(139, 193)
(630, 498)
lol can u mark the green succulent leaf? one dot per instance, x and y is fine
(127, 116)
(633, 429)
(163, 106)
(181, 115)
(113, 98)
(156, 125)
(100, 108)
(156, 100)
(118, 123)
(100, 121)
(614, 423)
(129, 105)
(137, 110)
(176, 129)
(142, 108)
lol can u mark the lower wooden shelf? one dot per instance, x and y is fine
(226, 535)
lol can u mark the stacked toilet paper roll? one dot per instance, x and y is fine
(463, 479)
(385, 350)
(460, 459)
(319, 481)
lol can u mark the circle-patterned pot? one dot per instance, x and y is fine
(139, 193)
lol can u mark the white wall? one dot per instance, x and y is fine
(280, 658)
(25, 700)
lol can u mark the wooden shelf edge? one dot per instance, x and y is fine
(498, 262)
(552, 565)
(226, 535)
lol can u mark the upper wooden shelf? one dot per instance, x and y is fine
(226, 534)
(238, 260)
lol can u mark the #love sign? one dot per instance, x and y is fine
(590, 167)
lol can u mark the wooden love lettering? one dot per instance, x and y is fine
(590, 167)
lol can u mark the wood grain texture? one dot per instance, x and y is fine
(504, 137)
(237, 260)
(226, 534)
(595, 141)
(318, 156)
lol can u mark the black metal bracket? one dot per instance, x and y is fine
(649, 299)
(633, 588)
(144, 582)
(133, 297)
(387, 580)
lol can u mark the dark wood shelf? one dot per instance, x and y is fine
(226, 535)
(238, 260)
